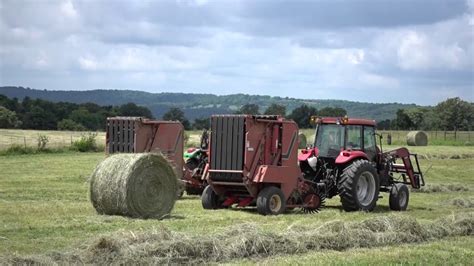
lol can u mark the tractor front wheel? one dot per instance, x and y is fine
(209, 199)
(271, 201)
(399, 196)
(359, 186)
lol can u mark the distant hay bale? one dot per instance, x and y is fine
(302, 141)
(135, 185)
(417, 138)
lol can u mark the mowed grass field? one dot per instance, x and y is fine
(45, 209)
(29, 138)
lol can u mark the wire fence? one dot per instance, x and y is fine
(64, 139)
(31, 138)
(434, 137)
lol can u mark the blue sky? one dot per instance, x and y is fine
(372, 51)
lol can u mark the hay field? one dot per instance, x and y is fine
(45, 214)
(29, 138)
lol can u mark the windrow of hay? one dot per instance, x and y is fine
(250, 241)
(302, 141)
(434, 188)
(463, 202)
(135, 185)
(445, 156)
(417, 138)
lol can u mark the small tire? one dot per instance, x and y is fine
(359, 186)
(271, 201)
(399, 196)
(209, 199)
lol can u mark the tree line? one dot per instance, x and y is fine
(45, 115)
(301, 115)
(451, 114)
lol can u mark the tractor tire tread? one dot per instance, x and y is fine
(346, 186)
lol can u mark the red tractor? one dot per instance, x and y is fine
(254, 161)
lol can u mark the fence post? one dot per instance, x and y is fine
(24, 141)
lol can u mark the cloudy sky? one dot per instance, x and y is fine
(377, 51)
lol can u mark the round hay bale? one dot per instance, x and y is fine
(302, 141)
(135, 185)
(417, 138)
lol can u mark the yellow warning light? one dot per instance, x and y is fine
(314, 120)
(345, 120)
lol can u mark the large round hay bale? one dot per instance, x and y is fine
(302, 141)
(417, 138)
(136, 185)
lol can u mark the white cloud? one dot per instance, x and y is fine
(88, 63)
(232, 47)
(68, 10)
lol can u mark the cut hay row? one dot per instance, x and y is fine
(250, 241)
(463, 202)
(446, 156)
(434, 188)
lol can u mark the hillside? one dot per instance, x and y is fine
(201, 105)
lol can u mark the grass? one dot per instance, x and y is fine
(29, 138)
(44, 207)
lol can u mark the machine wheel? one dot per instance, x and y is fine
(399, 196)
(271, 201)
(209, 199)
(359, 186)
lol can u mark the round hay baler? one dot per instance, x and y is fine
(145, 172)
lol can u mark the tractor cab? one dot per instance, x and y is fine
(337, 138)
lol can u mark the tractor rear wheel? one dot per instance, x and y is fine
(359, 186)
(209, 199)
(399, 196)
(271, 201)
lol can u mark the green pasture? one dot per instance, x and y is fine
(45, 209)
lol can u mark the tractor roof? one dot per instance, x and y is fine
(347, 121)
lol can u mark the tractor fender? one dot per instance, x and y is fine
(348, 156)
(307, 153)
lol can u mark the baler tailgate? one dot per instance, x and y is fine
(120, 135)
(227, 150)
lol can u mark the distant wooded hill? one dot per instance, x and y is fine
(202, 105)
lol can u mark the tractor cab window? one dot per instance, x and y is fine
(369, 142)
(329, 139)
(354, 137)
